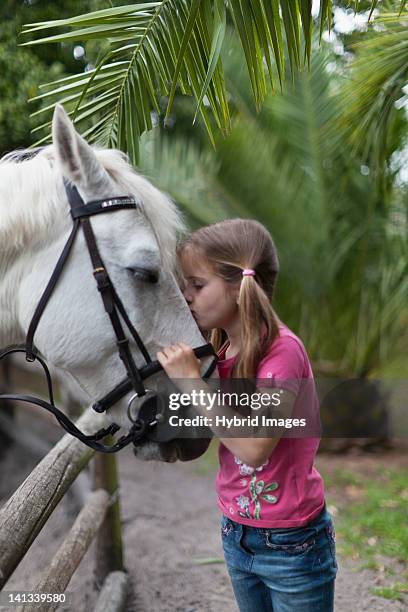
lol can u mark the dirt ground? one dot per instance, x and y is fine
(170, 523)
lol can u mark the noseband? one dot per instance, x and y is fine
(145, 425)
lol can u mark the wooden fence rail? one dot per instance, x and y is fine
(28, 509)
(66, 560)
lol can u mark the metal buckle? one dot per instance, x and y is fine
(135, 396)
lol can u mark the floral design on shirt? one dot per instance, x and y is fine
(247, 470)
(258, 491)
(243, 502)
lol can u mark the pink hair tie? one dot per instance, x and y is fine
(248, 272)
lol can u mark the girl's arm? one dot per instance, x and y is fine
(253, 451)
(182, 366)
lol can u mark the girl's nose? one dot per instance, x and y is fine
(187, 295)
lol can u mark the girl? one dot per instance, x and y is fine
(277, 535)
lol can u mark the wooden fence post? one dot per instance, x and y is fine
(112, 597)
(109, 555)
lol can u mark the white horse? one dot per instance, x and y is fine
(74, 334)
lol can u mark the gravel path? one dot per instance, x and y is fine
(170, 522)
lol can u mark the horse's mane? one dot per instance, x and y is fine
(32, 198)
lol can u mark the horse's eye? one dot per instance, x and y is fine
(145, 275)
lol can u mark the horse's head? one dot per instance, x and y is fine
(138, 250)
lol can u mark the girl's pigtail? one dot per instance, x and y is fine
(259, 327)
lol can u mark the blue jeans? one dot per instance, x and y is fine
(282, 570)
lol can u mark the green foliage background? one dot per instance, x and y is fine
(23, 69)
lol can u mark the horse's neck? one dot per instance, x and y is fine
(10, 278)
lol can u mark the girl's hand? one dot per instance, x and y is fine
(179, 361)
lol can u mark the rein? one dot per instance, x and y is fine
(144, 425)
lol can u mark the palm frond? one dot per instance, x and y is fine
(156, 47)
(378, 75)
(187, 174)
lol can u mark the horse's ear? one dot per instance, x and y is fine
(77, 159)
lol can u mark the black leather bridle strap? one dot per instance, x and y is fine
(135, 432)
(132, 329)
(30, 356)
(22, 348)
(105, 288)
(90, 440)
(125, 386)
(108, 291)
(97, 206)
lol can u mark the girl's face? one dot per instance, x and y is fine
(212, 301)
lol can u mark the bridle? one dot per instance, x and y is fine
(148, 416)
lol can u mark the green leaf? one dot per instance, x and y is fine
(132, 133)
(188, 29)
(271, 487)
(95, 16)
(243, 25)
(325, 13)
(216, 45)
(274, 23)
(290, 16)
(91, 33)
(373, 6)
(252, 488)
(306, 16)
(271, 499)
(259, 486)
(261, 25)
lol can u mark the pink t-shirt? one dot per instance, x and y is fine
(287, 491)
